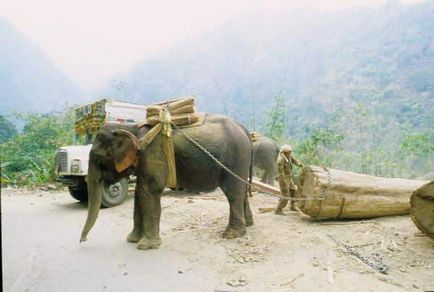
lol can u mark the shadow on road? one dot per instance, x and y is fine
(83, 205)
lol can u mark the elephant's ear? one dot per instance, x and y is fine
(126, 148)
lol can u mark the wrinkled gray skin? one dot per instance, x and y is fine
(228, 141)
(265, 152)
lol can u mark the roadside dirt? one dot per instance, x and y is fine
(40, 249)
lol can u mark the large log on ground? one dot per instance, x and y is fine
(334, 194)
(422, 208)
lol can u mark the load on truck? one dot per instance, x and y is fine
(71, 162)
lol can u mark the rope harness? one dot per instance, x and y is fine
(164, 127)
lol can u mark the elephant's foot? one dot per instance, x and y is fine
(249, 221)
(232, 232)
(134, 237)
(148, 243)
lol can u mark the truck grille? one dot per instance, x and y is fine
(61, 161)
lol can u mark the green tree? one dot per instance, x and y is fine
(418, 144)
(316, 149)
(275, 123)
(7, 129)
(28, 157)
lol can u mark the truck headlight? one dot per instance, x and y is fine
(76, 166)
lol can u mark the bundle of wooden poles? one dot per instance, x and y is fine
(182, 111)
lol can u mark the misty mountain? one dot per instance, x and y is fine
(29, 82)
(325, 65)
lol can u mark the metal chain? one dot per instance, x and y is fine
(327, 187)
(373, 262)
(240, 178)
(210, 155)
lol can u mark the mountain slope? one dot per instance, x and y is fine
(29, 82)
(382, 58)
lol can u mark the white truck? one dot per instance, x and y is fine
(71, 162)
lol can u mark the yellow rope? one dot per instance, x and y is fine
(163, 127)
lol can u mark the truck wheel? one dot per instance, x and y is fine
(79, 192)
(114, 194)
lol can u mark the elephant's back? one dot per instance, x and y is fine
(222, 137)
(217, 130)
(267, 145)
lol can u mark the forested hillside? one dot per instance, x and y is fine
(352, 90)
(356, 86)
(29, 82)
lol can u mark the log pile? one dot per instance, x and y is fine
(422, 208)
(182, 111)
(336, 194)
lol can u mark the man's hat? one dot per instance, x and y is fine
(286, 148)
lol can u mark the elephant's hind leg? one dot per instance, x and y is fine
(248, 212)
(235, 192)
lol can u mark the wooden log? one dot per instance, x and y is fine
(335, 194)
(172, 104)
(155, 110)
(186, 109)
(178, 101)
(266, 188)
(422, 208)
(179, 120)
(178, 106)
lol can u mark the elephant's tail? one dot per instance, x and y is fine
(250, 174)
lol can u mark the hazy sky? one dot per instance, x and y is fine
(93, 40)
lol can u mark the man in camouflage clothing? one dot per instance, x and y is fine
(287, 187)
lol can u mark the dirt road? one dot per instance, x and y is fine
(41, 230)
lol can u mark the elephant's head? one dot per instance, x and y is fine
(113, 156)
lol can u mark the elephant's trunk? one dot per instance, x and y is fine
(94, 190)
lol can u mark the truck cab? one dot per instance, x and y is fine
(71, 162)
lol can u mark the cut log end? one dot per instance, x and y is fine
(422, 208)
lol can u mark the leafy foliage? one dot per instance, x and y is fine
(28, 157)
(418, 144)
(315, 149)
(7, 129)
(275, 125)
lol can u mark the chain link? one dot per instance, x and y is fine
(374, 261)
(210, 155)
(245, 181)
(327, 187)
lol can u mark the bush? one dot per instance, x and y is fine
(28, 157)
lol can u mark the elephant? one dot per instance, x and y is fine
(265, 152)
(116, 153)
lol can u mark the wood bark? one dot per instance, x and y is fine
(422, 208)
(336, 194)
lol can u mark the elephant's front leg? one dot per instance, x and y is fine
(137, 232)
(150, 206)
